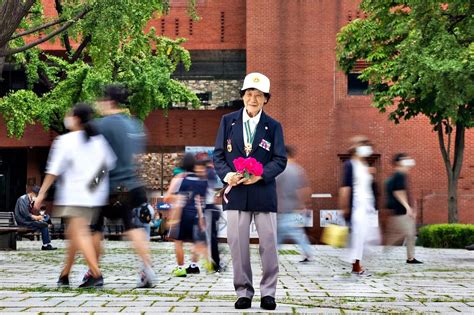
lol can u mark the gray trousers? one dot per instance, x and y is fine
(400, 227)
(238, 237)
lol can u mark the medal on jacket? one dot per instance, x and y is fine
(229, 145)
(250, 135)
(248, 148)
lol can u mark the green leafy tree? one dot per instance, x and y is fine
(421, 62)
(105, 41)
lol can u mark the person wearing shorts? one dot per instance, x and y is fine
(188, 223)
(127, 139)
(82, 158)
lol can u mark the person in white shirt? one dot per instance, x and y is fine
(81, 159)
(358, 200)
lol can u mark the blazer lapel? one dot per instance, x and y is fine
(238, 134)
(261, 131)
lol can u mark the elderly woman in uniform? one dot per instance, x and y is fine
(246, 133)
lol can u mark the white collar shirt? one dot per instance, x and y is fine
(253, 123)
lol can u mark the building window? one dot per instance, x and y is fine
(356, 86)
(12, 79)
(205, 98)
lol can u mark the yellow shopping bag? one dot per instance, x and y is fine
(335, 235)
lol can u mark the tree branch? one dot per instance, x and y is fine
(65, 36)
(449, 131)
(44, 78)
(11, 14)
(81, 47)
(458, 149)
(46, 38)
(447, 162)
(36, 29)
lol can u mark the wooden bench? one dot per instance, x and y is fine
(9, 230)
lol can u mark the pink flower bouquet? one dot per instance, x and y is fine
(247, 167)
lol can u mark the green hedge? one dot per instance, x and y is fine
(446, 235)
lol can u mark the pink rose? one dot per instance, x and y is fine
(240, 164)
(257, 169)
(249, 163)
(254, 167)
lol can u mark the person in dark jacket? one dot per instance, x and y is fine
(402, 224)
(24, 217)
(250, 132)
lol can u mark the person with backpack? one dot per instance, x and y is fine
(127, 138)
(187, 222)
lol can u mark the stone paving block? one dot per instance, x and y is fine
(394, 285)
(427, 309)
(89, 309)
(317, 310)
(130, 303)
(12, 309)
(95, 303)
(183, 309)
(14, 299)
(70, 303)
(146, 310)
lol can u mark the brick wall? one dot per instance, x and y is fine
(183, 127)
(293, 43)
(221, 25)
(309, 97)
(35, 136)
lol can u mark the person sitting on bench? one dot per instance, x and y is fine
(25, 218)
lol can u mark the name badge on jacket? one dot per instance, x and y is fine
(265, 144)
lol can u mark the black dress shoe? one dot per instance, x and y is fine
(268, 303)
(243, 303)
(92, 282)
(48, 247)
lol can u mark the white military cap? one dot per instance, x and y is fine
(257, 81)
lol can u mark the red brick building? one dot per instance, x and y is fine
(292, 42)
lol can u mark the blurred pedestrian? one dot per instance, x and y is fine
(402, 223)
(358, 200)
(212, 212)
(82, 158)
(127, 138)
(24, 217)
(246, 133)
(293, 194)
(187, 222)
(143, 217)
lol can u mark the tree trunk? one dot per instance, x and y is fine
(2, 64)
(11, 14)
(453, 169)
(452, 200)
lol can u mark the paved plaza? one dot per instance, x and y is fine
(444, 283)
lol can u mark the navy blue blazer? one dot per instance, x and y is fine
(261, 196)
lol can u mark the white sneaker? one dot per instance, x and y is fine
(146, 278)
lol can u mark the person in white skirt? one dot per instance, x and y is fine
(358, 200)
